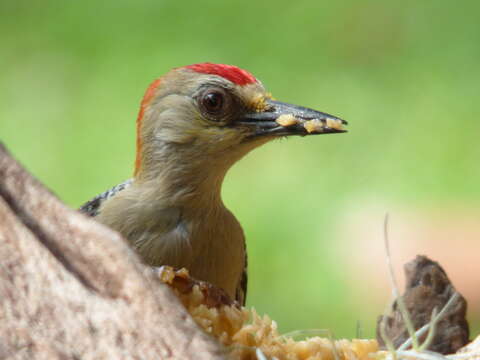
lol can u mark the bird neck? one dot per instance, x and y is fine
(185, 183)
(189, 174)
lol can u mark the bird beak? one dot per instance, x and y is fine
(282, 119)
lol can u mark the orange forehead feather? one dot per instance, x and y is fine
(147, 98)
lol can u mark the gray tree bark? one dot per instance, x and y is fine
(70, 288)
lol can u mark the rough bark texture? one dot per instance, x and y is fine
(428, 287)
(70, 288)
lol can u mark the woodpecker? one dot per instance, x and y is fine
(194, 123)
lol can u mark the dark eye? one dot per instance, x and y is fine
(216, 104)
(213, 101)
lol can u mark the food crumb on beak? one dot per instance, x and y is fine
(334, 124)
(259, 102)
(319, 126)
(287, 120)
(314, 125)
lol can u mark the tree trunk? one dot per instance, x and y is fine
(70, 288)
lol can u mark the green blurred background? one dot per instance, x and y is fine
(405, 74)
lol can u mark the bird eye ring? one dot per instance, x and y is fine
(213, 101)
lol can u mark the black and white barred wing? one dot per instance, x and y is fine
(92, 207)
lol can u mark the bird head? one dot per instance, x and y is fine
(204, 117)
